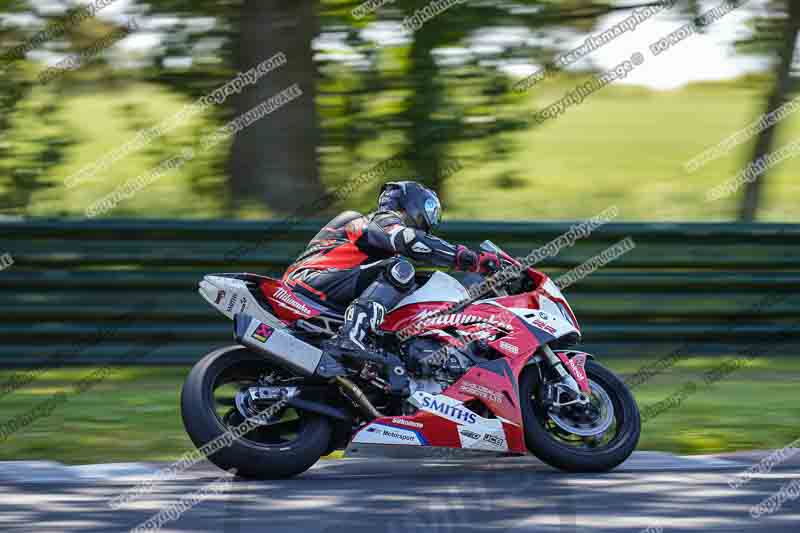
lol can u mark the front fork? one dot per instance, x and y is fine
(558, 365)
(572, 387)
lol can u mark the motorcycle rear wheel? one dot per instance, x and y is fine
(264, 452)
(550, 444)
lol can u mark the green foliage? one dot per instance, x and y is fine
(605, 152)
(428, 95)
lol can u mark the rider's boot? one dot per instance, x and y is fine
(361, 320)
(354, 344)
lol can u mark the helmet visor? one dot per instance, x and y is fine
(433, 212)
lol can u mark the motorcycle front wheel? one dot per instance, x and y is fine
(290, 444)
(595, 438)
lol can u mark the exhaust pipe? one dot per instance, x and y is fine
(277, 345)
(320, 408)
(359, 398)
(285, 349)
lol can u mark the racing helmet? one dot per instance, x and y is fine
(419, 205)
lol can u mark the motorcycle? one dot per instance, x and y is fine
(498, 376)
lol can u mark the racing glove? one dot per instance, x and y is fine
(469, 261)
(488, 263)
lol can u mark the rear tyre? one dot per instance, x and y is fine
(261, 453)
(572, 453)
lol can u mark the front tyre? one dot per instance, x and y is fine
(566, 440)
(281, 450)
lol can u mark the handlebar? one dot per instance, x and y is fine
(536, 277)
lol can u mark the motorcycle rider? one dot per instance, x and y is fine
(363, 261)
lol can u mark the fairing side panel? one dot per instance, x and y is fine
(495, 384)
(444, 420)
(289, 305)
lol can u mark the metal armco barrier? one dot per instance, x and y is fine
(100, 291)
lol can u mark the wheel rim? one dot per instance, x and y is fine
(576, 429)
(240, 376)
(588, 421)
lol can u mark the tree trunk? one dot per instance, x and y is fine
(783, 81)
(425, 149)
(274, 160)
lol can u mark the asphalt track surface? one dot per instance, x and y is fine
(403, 496)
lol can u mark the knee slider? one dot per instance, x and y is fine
(401, 274)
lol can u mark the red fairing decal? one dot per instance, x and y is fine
(415, 319)
(575, 366)
(408, 314)
(525, 300)
(287, 305)
(434, 430)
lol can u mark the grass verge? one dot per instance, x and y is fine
(134, 414)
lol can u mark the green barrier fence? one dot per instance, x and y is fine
(83, 292)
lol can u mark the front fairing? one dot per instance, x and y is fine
(552, 301)
(544, 313)
(553, 314)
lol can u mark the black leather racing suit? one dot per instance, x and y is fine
(362, 259)
(353, 252)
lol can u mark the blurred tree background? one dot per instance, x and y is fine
(372, 90)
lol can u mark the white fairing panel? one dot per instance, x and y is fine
(551, 322)
(231, 296)
(377, 433)
(439, 288)
(494, 441)
(474, 431)
(549, 306)
(553, 289)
